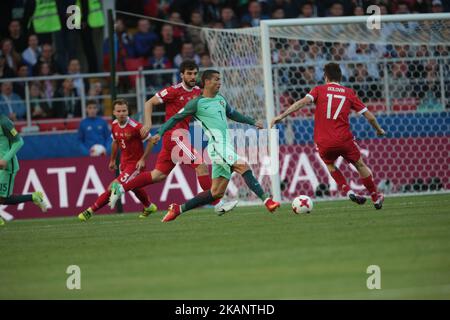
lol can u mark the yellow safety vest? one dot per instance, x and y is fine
(45, 17)
(95, 15)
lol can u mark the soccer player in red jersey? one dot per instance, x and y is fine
(332, 134)
(174, 98)
(126, 135)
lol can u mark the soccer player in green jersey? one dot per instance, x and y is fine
(212, 110)
(10, 143)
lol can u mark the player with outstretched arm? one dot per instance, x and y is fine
(332, 134)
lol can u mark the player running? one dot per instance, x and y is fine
(212, 110)
(126, 135)
(10, 143)
(174, 98)
(332, 133)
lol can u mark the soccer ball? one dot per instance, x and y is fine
(302, 204)
(97, 150)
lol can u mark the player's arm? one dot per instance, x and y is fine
(15, 140)
(374, 123)
(235, 115)
(148, 149)
(292, 108)
(148, 112)
(359, 107)
(112, 159)
(189, 109)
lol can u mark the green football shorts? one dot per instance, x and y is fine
(6, 183)
(223, 157)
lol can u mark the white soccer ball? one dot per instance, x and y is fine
(302, 204)
(97, 150)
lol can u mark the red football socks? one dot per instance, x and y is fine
(340, 180)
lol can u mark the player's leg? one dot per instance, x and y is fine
(149, 207)
(246, 172)
(6, 197)
(367, 180)
(163, 167)
(329, 156)
(218, 188)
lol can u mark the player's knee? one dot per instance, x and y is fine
(158, 176)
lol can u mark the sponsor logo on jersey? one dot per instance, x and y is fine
(13, 132)
(163, 93)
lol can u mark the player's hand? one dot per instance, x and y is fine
(259, 124)
(140, 164)
(275, 121)
(3, 164)
(144, 131)
(155, 138)
(381, 133)
(112, 166)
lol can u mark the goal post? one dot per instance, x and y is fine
(400, 71)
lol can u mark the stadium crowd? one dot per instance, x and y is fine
(26, 51)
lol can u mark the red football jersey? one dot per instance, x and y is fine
(333, 105)
(175, 98)
(129, 139)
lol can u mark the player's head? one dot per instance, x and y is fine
(91, 109)
(332, 72)
(120, 110)
(189, 71)
(211, 80)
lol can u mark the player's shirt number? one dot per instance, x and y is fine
(330, 103)
(122, 142)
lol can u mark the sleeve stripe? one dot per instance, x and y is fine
(147, 137)
(159, 98)
(363, 110)
(310, 96)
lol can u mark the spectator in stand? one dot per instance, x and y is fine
(210, 10)
(19, 87)
(178, 31)
(93, 130)
(195, 34)
(48, 87)
(39, 107)
(205, 61)
(144, 39)
(74, 68)
(31, 54)
(13, 59)
(124, 47)
(278, 13)
(16, 35)
(172, 46)
(187, 53)
(159, 61)
(47, 56)
(95, 93)
(307, 10)
(11, 104)
(68, 104)
(254, 15)
(358, 11)
(436, 6)
(5, 70)
(228, 18)
(289, 8)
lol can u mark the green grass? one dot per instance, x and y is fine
(247, 254)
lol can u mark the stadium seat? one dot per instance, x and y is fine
(73, 124)
(404, 104)
(133, 64)
(376, 105)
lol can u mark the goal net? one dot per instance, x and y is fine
(400, 71)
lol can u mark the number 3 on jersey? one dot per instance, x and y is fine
(122, 142)
(330, 103)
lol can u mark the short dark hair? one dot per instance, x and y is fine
(333, 72)
(188, 65)
(208, 74)
(89, 102)
(121, 102)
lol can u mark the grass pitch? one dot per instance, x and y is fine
(246, 254)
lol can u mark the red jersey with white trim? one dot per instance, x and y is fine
(129, 139)
(333, 105)
(175, 98)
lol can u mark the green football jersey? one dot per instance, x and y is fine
(8, 135)
(213, 114)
